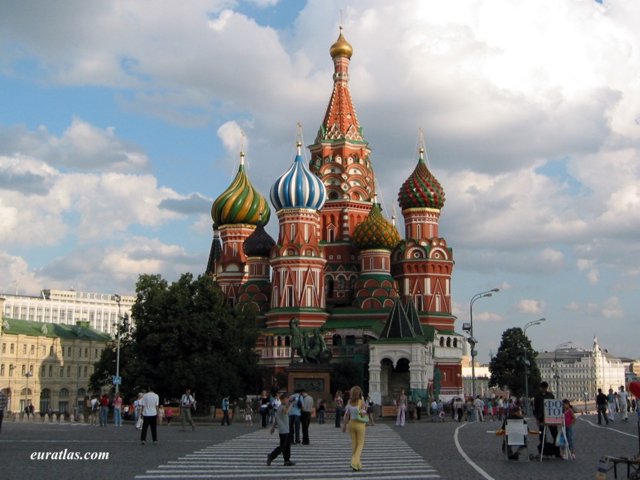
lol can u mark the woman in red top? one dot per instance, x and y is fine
(569, 420)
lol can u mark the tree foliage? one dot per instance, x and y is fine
(507, 367)
(186, 335)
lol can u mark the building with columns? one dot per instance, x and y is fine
(47, 365)
(338, 264)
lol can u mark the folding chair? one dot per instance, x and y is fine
(515, 440)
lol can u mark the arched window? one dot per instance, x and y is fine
(442, 341)
(45, 399)
(448, 341)
(337, 340)
(328, 282)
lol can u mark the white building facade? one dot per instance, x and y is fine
(67, 307)
(577, 373)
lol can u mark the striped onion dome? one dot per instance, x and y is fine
(421, 189)
(298, 187)
(376, 231)
(259, 243)
(240, 202)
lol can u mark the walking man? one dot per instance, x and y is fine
(281, 421)
(305, 415)
(186, 402)
(150, 402)
(611, 400)
(601, 405)
(624, 406)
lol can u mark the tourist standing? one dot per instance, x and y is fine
(265, 406)
(322, 407)
(478, 405)
(186, 404)
(149, 403)
(305, 415)
(295, 411)
(611, 400)
(117, 410)
(281, 422)
(338, 400)
(401, 408)
(225, 412)
(601, 405)
(569, 420)
(104, 410)
(623, 399)
(355, 418)
(3, 405)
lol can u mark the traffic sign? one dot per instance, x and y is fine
(117, 380)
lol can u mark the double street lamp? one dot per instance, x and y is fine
(118, 299)
(526, 365)
(472, 340)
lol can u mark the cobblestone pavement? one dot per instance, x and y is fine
(422, 449)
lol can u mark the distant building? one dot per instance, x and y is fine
(576, 373)
(47, 365)
(67, 307)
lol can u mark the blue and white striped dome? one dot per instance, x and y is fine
(298, 187)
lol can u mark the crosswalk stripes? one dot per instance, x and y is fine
(386, 456)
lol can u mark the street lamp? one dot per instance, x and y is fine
(28, 374)
(526, 364)
(472, 341)
(118, 299)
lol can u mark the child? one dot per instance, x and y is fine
(281, 420)
(168, 414)
(248, 414)
(569, 420)
(321, 409)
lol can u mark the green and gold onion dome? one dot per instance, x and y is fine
(341, 48)
(421, 189)
(376, 232)
(240, 202)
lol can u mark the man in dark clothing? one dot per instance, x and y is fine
(538, 411)
(601, 404)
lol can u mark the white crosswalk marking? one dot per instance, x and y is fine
(386, 456)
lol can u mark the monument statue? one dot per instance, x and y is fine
(310, 346)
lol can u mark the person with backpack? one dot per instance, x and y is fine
(295, 412)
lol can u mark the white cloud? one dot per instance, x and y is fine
(612, 308)
(531, 306)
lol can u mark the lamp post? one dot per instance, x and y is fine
(28, 374)
(118, 299)
(472, 340)
(526, 365)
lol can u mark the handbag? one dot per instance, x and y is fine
(139, 422)
(361, 418)
(561, 440)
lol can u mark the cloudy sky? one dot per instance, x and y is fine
(121, 122)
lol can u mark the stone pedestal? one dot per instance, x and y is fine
(315, 379)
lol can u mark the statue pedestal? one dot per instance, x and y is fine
(315, 379)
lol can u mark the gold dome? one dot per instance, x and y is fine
(341, 48)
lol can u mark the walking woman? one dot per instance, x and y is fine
(401, 406)
(356, 418)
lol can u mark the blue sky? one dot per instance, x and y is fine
(120, 124)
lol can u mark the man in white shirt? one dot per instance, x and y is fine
(149, 402)
(186, 402)
(305, 415)
(622, 403)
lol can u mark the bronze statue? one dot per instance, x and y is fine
(310, 347)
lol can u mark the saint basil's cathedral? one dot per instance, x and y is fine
(338, 265)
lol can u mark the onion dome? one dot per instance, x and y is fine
(376, 232)
(421, 189)
(240, 202)
(298, 187)
(341, 48)
(259, 243)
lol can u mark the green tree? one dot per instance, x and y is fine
(508, 366)
(186, 335)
